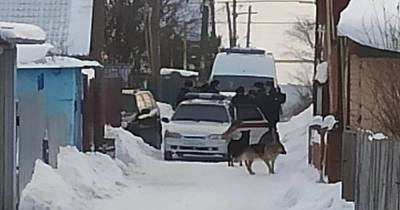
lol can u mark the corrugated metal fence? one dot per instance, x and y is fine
(371, 172)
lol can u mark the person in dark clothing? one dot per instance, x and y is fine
(252, 95)
(260, 88)
(187, 87)
(240, 98)
(274, 107)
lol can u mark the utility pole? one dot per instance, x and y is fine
(248, 28)
(204, 44)
(235, 15)
(154, 41)
(185, 48)
(213, 24)
(228, 12)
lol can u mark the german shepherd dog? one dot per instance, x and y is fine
(268, 149)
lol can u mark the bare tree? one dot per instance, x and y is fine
(385, 90)
(383, 31)
(302, 33)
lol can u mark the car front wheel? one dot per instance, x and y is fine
(167, 155)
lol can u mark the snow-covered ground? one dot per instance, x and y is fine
(139, 179)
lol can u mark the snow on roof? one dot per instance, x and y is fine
(31, 52)
(372, 23)
(20, 32)
(322, 73)
(89, 72)
(183, 73)
(54, 62)
(67, 23)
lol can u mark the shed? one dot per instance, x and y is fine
(51, 90)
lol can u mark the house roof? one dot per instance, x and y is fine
(373, 23)
(67, 23)
(21, 33)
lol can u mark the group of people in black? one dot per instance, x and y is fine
(265, 96)
(188, 86)
(268, 98)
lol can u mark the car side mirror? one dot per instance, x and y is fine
(145, 111)
(165, 120)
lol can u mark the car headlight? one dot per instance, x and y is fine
(169, 134)
(236, 135)
(215, 137)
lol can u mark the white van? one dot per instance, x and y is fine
(236, 67)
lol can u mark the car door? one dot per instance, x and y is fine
(252, 119)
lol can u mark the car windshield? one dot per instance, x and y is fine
(201, 112)
(128, 103)
(230, 83)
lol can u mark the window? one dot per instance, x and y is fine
(201, 112)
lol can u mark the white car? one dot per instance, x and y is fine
(195, 130)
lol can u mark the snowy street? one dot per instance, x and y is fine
(191, 185)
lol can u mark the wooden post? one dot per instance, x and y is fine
(248, 28)
(8, 188)
(204, 45)
(98, 30)
(228, 13)
(235, 15)
(155, 47)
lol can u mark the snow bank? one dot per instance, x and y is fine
(96, 175)
(21, 31)
(166, 110)
(301, 190)
(322, 73)
(49, 190)
(371, 23)
(183, 73)
(84, 177)
(132, 150)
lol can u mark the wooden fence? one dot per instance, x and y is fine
(371, 172)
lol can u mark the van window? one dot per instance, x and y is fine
(229, 83)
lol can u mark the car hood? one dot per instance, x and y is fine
(188, 128)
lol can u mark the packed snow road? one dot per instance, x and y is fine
(190, 185)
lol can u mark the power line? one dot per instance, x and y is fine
(264, 1)
(262, 23)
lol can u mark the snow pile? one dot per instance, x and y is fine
(131, 150)
(322, 73)
(96, 175)
(183, 73)
(166, 110)
(89, 72)
(20, 31)
(377, 136)
(301, 190)
(49, 190)
(372, 23)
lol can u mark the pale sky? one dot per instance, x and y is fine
(269, 37)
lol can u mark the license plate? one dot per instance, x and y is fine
(193, 143)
